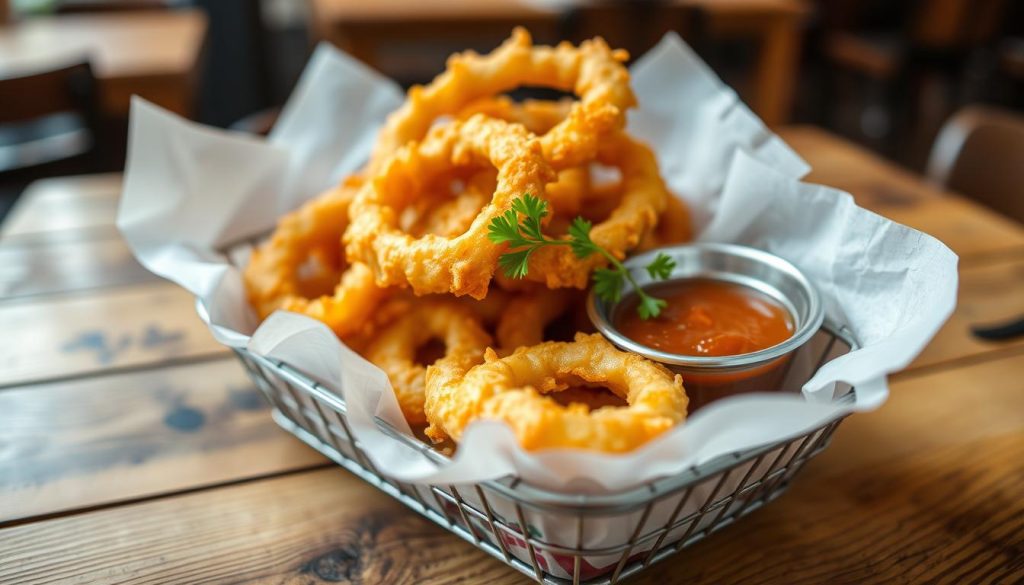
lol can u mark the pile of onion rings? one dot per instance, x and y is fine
(398, 258)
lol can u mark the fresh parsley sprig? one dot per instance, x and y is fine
(520, 228)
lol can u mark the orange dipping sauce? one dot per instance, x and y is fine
(708, 318)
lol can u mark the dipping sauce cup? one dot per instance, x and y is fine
(710, 377)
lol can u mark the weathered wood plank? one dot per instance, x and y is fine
(990, 292)
(87, 202)
(315, 527)
(83, 443)
(883, 187)
(924, 489)
(87, 333)
(927, 489)
(55, 263)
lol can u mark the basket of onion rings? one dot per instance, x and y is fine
(520, 317)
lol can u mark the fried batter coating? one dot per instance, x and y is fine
(644, 197)
(394, 348)
(512, 389)
(461, 265)
(593, 71)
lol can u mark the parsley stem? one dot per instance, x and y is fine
(625, 272)
(619, 266)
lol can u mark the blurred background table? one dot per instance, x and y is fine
(134, 448)
(154, 54)
(402, 38)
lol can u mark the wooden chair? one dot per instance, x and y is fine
(980, 153)
(48, 126)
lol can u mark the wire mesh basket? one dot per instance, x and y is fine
(561, 538)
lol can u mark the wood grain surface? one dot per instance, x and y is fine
(318, 527)
(76, 334)
(990, 293)
(926, 490)
(87, 442)
(68, 204)
(62, 264)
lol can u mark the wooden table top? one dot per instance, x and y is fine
(124, 48)
(133, 447)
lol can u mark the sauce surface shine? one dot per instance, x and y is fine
(708, 318)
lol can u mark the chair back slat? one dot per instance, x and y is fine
(980, 153)
(67, 89)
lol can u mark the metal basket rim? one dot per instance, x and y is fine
(535, 496)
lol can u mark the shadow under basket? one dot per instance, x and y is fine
(558, 537)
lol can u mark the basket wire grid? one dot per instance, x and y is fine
(555, 537)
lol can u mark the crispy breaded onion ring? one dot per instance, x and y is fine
(511, 390)
(567, 193)
(464, 264)
(301, 268)
(674, 227)
(593, 71)
(539, 116)
(303, 256)
(644, 197)
(394, 348)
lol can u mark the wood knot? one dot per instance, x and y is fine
(340, 565)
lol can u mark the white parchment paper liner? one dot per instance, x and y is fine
(191, 192)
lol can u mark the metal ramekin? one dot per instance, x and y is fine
(757, 269)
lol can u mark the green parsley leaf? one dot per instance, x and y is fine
(579, 238)
(504, 228)
(520, 228)
(516, 264)
(662, 266)
(608, 284)
(650, 307)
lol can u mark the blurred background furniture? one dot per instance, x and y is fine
(154, 54)
(49, 125)
(980, 153)
(410, 40)
(906, 65)
(88, 6)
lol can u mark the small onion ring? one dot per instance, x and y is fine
(593, 71)
(394, 348)
(274, 276)
(511, 389)
(464, 264)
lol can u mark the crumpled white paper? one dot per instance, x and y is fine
(190, 192)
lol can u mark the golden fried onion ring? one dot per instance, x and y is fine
(644, 197)
(511, 390)
(394, 348)
(464, 264)
(539, 116)
(593, 71)
(301, 268)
